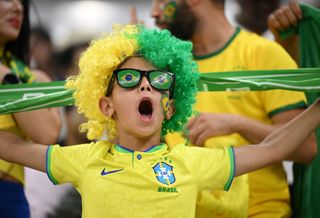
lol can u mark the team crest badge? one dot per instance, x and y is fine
(164, 173)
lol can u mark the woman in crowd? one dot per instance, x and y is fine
(40, 126)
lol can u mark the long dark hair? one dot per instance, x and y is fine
(20, 47)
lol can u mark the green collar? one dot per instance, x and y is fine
(154, 148)
(201, 57)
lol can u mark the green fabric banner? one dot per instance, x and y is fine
(307, 80)
(25, 97)
(32, 96)
(306, 197)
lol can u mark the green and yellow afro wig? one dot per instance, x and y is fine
(103, 56)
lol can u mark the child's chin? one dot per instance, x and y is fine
(145, 131)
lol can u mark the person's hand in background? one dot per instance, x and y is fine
(134, 16)
(283, 18)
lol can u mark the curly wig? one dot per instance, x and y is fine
(103, 56)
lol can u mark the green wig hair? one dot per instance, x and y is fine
(105, 55)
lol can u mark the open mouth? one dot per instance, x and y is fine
(145, 109)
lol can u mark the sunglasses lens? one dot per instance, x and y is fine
(160, 80)
(128, 78)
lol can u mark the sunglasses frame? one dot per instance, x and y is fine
(143, 73)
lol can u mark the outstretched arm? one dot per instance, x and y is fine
(14, 149)
(279, 144)
(207, 125)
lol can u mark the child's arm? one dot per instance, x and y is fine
(279, 144)
(14, 149)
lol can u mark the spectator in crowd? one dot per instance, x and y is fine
(234, 117)
(41, 126)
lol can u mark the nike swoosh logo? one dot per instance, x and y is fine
(103, 172)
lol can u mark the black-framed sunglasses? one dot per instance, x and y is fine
(130, 78)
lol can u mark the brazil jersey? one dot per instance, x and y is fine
(161, 182)
(248, 51)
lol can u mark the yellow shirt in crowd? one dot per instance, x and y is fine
(269, 194)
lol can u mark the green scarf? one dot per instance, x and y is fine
(16, 66)
(306, 188)
(24, 97)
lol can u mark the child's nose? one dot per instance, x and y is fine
(145, 85)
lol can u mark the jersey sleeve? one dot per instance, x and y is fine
(269, 55)
(213, 168)
(278, 101)
(65, 164)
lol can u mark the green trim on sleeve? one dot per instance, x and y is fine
(232, 168)
(48, 166)
(300, 104)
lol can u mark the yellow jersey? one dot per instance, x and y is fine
(268, 187)
(161, 182)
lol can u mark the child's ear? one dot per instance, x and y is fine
(106, 106)
(171, 109)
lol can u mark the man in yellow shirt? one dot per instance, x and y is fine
(233, 117)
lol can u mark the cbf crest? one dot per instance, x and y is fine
(164, 173)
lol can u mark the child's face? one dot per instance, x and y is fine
(138, 111)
